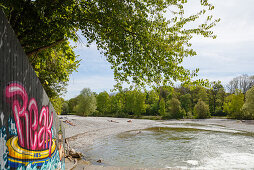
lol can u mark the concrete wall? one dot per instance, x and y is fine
(31, 136)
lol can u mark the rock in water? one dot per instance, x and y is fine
(75, 154)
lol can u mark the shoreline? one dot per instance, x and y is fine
(87, 130)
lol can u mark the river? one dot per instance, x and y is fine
(177, 145)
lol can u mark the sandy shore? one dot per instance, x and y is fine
(87, 130)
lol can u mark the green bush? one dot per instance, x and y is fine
(189, 115)
(174, 110)
(248, 107)
(201, 110)
(86, 104)
(121, 115)
(96, 113)
(233, 105)
(162, 108)
(103, 103)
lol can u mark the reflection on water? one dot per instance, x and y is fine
(183, 147)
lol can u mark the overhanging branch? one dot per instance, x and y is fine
(30, 53)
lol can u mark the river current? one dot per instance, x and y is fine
(186, 146)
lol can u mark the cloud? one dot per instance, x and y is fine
(95, 83)
(222, 62)
(236, 23)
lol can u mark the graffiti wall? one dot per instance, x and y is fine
(31, 135)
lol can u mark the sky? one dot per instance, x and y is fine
(223, 58)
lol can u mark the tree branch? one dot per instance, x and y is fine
(30, 53)
(99, 23)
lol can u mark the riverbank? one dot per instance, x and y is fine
(82, 132)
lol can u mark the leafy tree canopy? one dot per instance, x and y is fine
(174, 109)
(145, 41)
(86, 104)
(103, 102)
(53, 67)
(186, 102)
(216, 97)
(153, 97)
(162, 108)
(201, 110)
(248, 107)
(233, 104)
(202, 94)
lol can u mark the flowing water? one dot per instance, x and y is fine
(188, 146)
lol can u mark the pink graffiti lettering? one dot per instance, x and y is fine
(33, 110)
(12, 91)
(32, 138)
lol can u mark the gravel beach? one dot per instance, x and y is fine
(84, 131)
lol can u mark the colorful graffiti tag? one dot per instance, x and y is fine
(34, 144)
(31, 135)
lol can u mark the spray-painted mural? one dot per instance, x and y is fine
(31, 135)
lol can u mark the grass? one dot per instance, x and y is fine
(139, 117)
(219, 117)
(151, 117)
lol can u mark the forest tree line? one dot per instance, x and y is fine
(236, 101)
